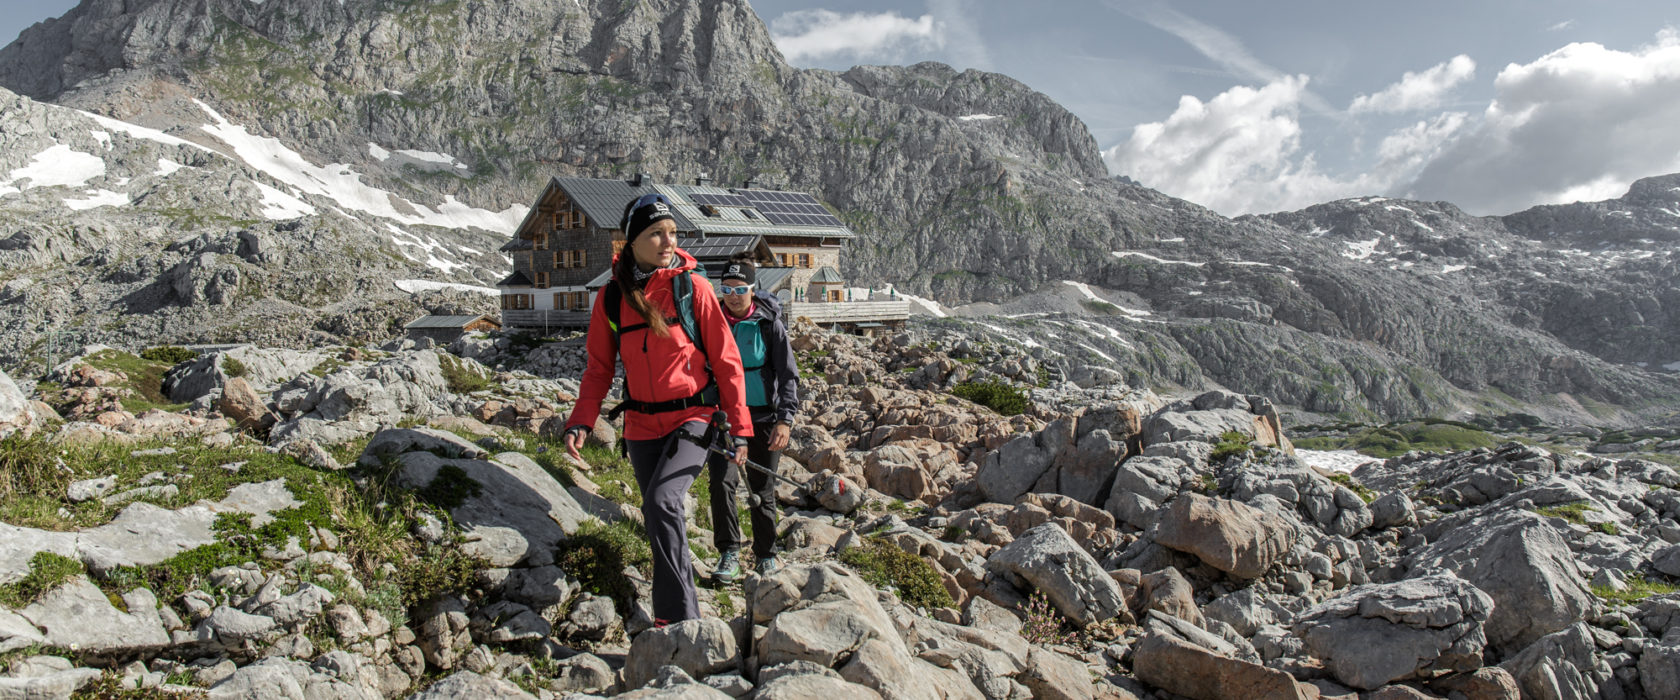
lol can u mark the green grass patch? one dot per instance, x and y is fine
(1573, 512)
(168, 354)
(1638, 589)
(882, 563)
(462, 377)
(1365, 494)
(1231, 443)
(1002, 397)
(597, 554)
(47, 571)
(145, 379)
(1100, 307)
(1430, 435)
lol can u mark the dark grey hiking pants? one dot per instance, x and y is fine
(664, 482)
(726, 487)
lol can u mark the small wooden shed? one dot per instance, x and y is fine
(446, 329)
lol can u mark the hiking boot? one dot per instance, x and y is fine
(768, 565)
(728, 567)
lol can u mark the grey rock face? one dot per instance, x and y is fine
(699, 647)
(280, 677)
(1011, 470)
(466, 684)
(1375, 635)
(1235, 538)
(78, 615)
(14, 408)
(511, 509)
(1524, 565)
(1557, 665)
(1045, 558)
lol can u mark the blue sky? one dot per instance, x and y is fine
(1495, 105)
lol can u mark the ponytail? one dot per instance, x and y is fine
(624, 273)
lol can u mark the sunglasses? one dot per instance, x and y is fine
(731, 290)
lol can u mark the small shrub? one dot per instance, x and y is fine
(1004, 398)
(596, 555)
(438, 570)
(1100, 307)
(168, 354)
(461, 377)
(882, 563)
(232, 367)
(47, 571)
(1231, 443)
(1044, 625)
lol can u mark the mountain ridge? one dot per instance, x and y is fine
(947, 202)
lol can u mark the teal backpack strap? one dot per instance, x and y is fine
(683, 289)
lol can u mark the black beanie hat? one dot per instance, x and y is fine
(643, 212)
(742, 270)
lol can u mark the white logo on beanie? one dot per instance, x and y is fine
(660, 208)
(734, 269)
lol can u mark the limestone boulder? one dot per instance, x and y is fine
(1232, 537)
(510, 509)
(1180, 667)
(1375, 635)
(699, 647)
(1047, 559)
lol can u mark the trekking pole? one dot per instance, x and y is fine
(709, 441)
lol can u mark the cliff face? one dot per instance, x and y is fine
(411, 134)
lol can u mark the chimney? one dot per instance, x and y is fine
(750, 184)
(702, 181)
(641, 180)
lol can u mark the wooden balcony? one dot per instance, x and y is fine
(544, 320)
(849, 312)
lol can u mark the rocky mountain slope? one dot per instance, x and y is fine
(1100, 543)
(351, 131)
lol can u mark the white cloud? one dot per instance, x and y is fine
(1560, 26)
(1237, 153)
(1417, 91)
(1241, 152)
(809, 35)
(1580, 123)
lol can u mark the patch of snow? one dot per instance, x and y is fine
(443, 160)
(1134, 254)
(1179, 239)
(378, 153)
(1099, 353)
(1250, 263)
(167, 167)
(343, 185)
(97, 198)
(468, 251)
(1029, 342)
(1419, 224)
(280, 206)
(979, 117)
(1361, 250)
(417, 286)
(931, 307)
(1344, 461)
(1449, 269)
(1396, 207)
(58, 166)
(1673, 366)
(103, 137)
(142, 132)
(1318, 231)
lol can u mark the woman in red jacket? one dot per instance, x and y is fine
(668, 387)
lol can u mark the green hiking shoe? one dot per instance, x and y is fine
(728, 567)
(768, 565)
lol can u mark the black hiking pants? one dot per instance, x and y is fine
(726, 487)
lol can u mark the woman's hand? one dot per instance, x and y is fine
(740, 445)
(574, 441)
(779, 437)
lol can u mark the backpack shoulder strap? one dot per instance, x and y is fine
(682, 288)
(611, 299)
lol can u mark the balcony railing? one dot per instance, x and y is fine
(849, 311)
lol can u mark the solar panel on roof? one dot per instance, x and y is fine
(720, 200)
(790, 208)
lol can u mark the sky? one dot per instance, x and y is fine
(1247, 107)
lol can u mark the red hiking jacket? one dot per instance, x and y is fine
(663, 369)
